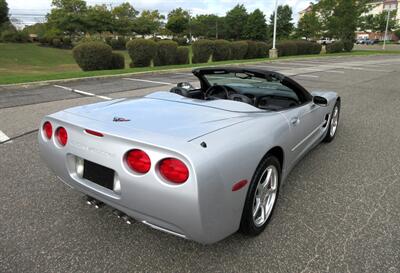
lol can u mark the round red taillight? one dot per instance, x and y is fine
(47, 129)
(174, 170)
(138, 161)
(62, 136)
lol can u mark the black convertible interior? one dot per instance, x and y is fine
(263, 89)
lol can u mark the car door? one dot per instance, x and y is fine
(305, 124)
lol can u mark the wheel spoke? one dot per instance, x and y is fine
(267, 179)
(257, 207)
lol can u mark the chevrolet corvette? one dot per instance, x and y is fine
(199, 163)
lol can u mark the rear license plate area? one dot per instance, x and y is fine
(98, 174)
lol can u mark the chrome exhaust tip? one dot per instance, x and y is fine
(127, 219)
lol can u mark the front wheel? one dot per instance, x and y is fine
(333, 124)
(261, 197)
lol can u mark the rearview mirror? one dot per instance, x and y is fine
(321, 101)
(185, 85)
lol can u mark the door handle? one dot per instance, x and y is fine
(295, 121)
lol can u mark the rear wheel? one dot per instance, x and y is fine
(261, 197)
(333, 123)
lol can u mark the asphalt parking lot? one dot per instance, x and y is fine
(338, 212)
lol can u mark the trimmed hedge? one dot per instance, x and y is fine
(301, 47)
(93, 56)
(262, 50)
(181, 41)
(238, 50)
(117, 61)
(348, 45)
(117, 44)
(222, 50)
(334, 47)
(182, 55)
(251, 50)
(142, 52)
(202, 51)
(166, 53)
(12, 36)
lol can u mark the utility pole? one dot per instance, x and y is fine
(386, 31)
(190, 27)
(273, 53)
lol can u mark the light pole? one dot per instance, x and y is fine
(386, 31)
(273, 52)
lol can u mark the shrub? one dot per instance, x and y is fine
(300, 47)
(166, 52)
(262, 49)
(222, 50)
(12, 36)
(67, 42)
(117, 61)
(93, 56)
(56, 42)
(182, 55)
(251, 50)
(202, 51)
(348, 45)
(181, 41)
(287, 48)
(142, 52)
(334, 47)
(117, 44)
(238, 50)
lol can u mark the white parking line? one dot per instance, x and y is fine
(141, 80)
(306, 75)
(184, 74)
(333, 71)
(3, 137)
(84, 93)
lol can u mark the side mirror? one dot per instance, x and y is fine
(321, 101)
(185, 85)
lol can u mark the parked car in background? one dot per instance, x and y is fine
(325, 41)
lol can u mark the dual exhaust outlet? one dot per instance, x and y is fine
(98, 204)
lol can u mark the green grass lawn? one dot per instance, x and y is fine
(21, 63)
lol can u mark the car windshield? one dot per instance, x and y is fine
(247, 81)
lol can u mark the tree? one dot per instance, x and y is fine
(309, 26)
(3, 12)
(256, 26)
(380, 20)
(207, 26)
(98, 19)
(235, 21)
(149, 22)
(68, 16)
(284, 26)
(124, 16)
(178, 21)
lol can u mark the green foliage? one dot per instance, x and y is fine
(166, 53)
(142, 52)
(207, 26)
(181, 41)
(202, 51)
(93, 56)
(117, 43)
(178, 21)
(98, 19)
(262, 49)
(297, 47)
(68, 16)
(256, 26)
(334, 47)
(348, 45)
(182, 55)
(235, 20)
(251, 50)
(117, 61)
(12, 36)
(284, 26)
(309, 26)
(222, 50)
(238, 50)
(148, 22)
(124, 15)
(3, 12)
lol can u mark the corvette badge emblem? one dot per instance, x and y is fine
(117, 119)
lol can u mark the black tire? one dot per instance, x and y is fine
(329, 137)
(247, 224)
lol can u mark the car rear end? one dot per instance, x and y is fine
(154, 184)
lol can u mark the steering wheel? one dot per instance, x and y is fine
(210, 92)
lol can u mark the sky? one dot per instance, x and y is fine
(196, 7)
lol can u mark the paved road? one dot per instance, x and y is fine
(338, 212)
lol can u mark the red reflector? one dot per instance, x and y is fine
(48, 129)
(138, 161)
(62, 136)
(94, 133)
(174, 170)
(237, 186)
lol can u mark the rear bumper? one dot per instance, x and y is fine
(178, 210)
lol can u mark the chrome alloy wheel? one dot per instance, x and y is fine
(265, 196)
(334, 121)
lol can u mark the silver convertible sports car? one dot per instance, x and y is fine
(199, 163)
